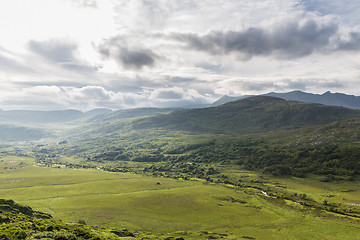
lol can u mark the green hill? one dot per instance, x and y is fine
(250, 115)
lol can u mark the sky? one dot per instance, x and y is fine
(86, 54)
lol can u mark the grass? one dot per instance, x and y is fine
(139, 203)
(338, 192)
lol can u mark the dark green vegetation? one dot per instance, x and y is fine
(250, 115)
(256, 167)
(21, 222)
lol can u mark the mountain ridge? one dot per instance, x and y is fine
(250, 115)
(327, 98)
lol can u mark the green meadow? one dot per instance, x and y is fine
(164, 205)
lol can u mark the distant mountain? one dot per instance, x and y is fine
(249, 115)
(12, 133)
(131, 113)
(226, 99)
(41, 117)
(28, 116)
(328, 98)
(97, 112)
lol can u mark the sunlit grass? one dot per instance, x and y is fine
(162, 205)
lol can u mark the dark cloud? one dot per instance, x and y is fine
(290, 40)
(137, 58)
(128, 56)
(169, 94)
(350, 43)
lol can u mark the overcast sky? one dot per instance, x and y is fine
(84, 54)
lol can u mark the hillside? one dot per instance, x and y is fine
(29, 125)
(250, 115)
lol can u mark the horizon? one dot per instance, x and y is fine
(180, 107)
(146, 53)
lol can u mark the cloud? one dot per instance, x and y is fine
(290, 40)
(85, 3)
(349, 42)
(136, 58)
(143, 14)
(9, 64)
(239, 86)
(170, 94)
(61, 52)
(139, 53)
(130, 56)
(96, 93)
(55, 50)
(346, 10)
(57, 97)
(177, 97)
(90, 97)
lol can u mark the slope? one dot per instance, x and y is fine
(250, 115)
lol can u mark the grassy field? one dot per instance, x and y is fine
(164, 205)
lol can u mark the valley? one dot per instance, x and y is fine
(256, 168)
(163, 207)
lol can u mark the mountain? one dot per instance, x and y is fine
(12, 133)
(97, 111)
(226, 99)
(41, 117)
(131, 113)
(28, 116)
(249, 115)
(328, 98)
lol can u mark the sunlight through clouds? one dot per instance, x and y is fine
(149, 48)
